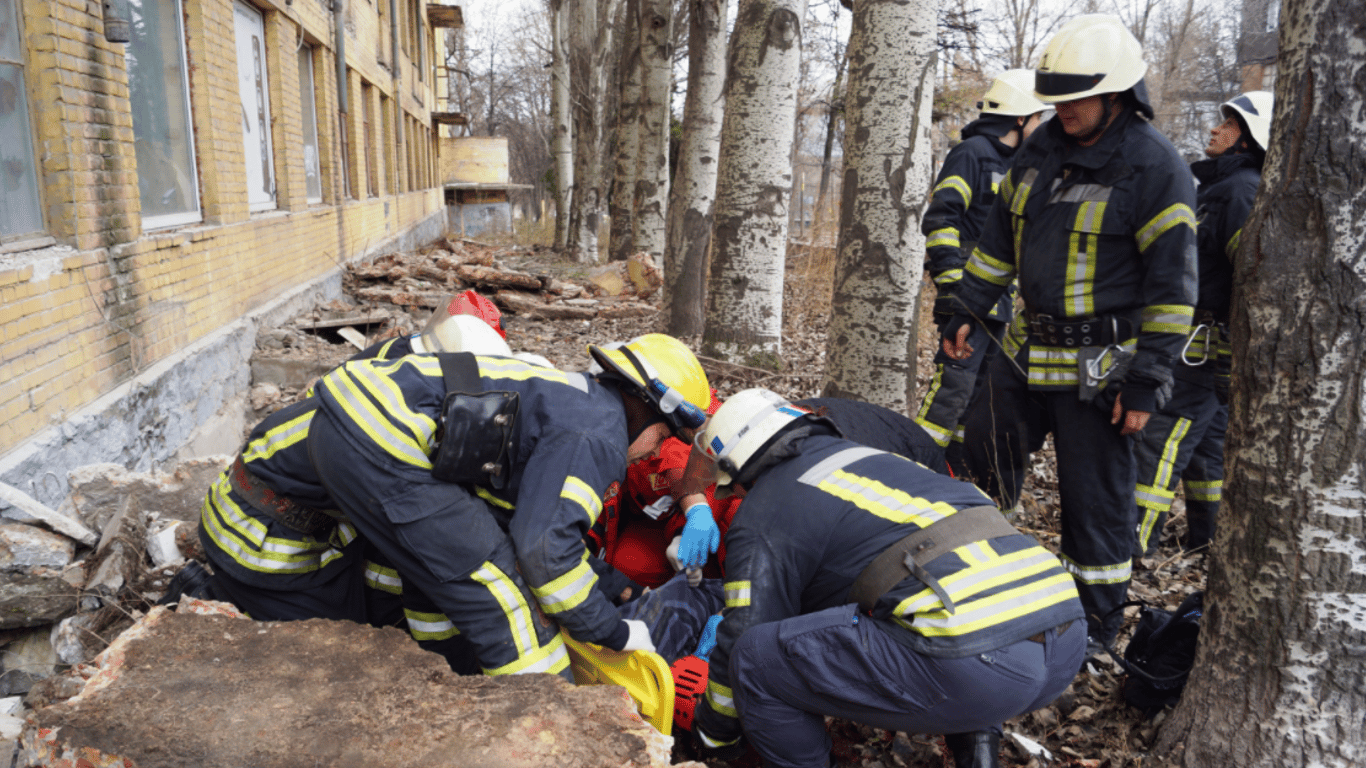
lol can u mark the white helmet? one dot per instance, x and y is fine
(741, 426)
(1254, 107)
(461, 333)
(1092, 54)
(1011, 94)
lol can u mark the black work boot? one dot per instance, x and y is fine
(978, 749)
(192, 580)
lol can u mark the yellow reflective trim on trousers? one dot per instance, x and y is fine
(521, 621)
(957, 184)
(997, 609)
(278, 438)
(1153, 497)
(1233, 242)
(567, 591)
(429, 626)
(721, 699)
(551, 659)
(580, 492)
(382, 578)
(737, 593)
(1204, 490)
(1174, 215)
(964, 584)
(935, 384)
(948, 277)
(488, 496)
(884, 501)
(267, 554)
(948, 236)
(1166, 462)
(374, 423)
(1117, 573)
(992, 270)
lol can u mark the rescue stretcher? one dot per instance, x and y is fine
(646, 677)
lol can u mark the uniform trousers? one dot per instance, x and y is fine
(1184, 440)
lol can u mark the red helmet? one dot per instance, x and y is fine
(471, 303)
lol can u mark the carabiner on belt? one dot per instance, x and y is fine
(1208, 330)
(1094, 375)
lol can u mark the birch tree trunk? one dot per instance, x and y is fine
(590, 48)
(626, 154)
(655, 22)
(871, 345)
(1280, 675)
(694, 188)
(562, 142)
(754, 184)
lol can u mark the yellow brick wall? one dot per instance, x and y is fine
(107, 301)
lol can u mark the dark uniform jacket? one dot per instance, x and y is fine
(569, 444)
(810, 525)
(1095, 232)
(959, 202)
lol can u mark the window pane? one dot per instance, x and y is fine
(307, 99)
(255, 94)
(159, 96)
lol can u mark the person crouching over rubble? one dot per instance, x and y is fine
(862, 585)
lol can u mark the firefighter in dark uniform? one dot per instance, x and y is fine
(959, 202)
(862, 585)
(495, 541)
(1096, 221)
(1185, 439)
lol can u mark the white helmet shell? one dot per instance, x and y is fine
(741, 426)
(1091, 55)
(1255, 108)
(1012, 94)
(462, 333)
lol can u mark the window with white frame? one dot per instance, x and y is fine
(307, 99)
(159, 94)
(254, 90)
(20, 209)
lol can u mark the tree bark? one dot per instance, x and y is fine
(694, 188)
(626, 154)
(655, 22)
(561, 118)
(833, 114)
(1280, 677)
(871, 346)
(754, 184)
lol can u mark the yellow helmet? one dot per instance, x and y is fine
(664, 372)
(1092, 54)
(1011, 94)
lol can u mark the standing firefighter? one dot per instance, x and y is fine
(860, 584)
(1095, 220)
(959, 203)
(1185, 439)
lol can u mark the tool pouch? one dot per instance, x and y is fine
(476, 427)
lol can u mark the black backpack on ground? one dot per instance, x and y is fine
(1160, 654)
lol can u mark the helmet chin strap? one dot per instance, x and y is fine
(1107, 108)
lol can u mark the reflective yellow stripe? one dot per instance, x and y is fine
(517, 370)
(947, 236)
(1079, 291)
(251, 547)
(996, 570)
(1174, 215)
(429, 626)
(1207, 490)
(567, 591)
(711, 743)
(1168, 318)
(1098, 574)
(884, 501)
(521, 622)
(353, 396)
(488, 496)
(955, 184)
(382, 578)
(737, 594)
(551, 658)
(1018, 194)
(578, 491)
(998, 608)
(1233, 242)
(721, 699)
(278, 438)
(992, 270)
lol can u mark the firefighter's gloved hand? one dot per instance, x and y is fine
(639, 639)
(701, 537)
(671, 552)
(707, 642)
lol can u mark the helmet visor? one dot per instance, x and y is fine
(700, 473)
(1063, 84)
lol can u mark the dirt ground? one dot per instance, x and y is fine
(1089, 726)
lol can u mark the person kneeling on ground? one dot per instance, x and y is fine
(864, 586)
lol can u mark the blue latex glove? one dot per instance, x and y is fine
(701, 537)
(707, 642)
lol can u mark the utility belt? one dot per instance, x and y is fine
(279, 507)
(475, 431)
(910, 555)
(1099, 331)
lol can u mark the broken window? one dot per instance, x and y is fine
(254, 90)
(159, 95)
(307, 98)
(20, 210)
